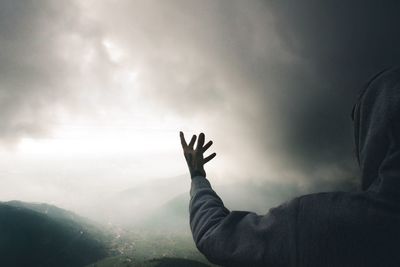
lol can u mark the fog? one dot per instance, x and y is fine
(93, 96)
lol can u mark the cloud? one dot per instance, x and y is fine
(45, 52)
(216, 64)
(30, 68)
(271, 81)
(342, 46)
(280, 76)
(268, 84)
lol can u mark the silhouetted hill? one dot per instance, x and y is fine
(44, 235)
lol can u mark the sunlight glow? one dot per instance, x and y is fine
(99, 141)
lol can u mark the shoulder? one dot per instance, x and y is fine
(311, 200)
(332, 197)
(329, 205)
(323, 200)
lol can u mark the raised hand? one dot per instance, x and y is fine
(194, 157)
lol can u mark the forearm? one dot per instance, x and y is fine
(206, 208)
(206, 213)
(224, 237)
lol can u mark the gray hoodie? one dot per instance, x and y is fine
(325, 229)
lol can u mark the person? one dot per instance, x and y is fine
(360, 228)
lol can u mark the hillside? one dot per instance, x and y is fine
(154, 248)
(30, 237)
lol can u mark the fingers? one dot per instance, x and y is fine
(192, 141)
(207, 159)
(200, 142)
(207, 146)
(183, 141)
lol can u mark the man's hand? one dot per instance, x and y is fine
(194, 157)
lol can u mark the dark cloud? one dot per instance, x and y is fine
(217, 63)
(281, 75)
(342, 45)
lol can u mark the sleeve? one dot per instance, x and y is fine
(241, 238)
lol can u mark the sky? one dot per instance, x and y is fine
(93, 94)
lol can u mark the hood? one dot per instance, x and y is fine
(376, 117)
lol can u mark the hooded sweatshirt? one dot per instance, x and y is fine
(335, 229)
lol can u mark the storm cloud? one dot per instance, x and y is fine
(281, 77)
(272, 82)
(45, 51)
(342, 45)
(32, 73)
